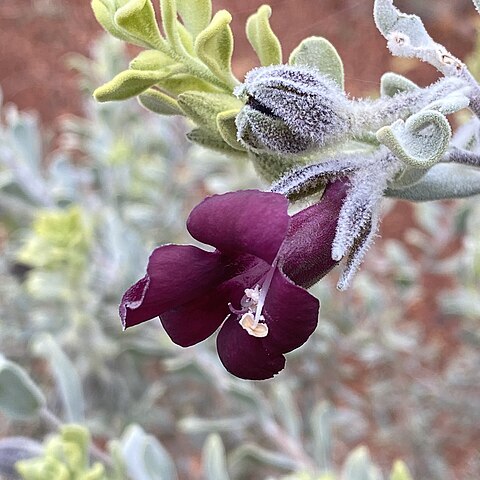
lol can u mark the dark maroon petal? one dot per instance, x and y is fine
(244, 355)
(291, 314)
(196, 320)
(248, 221)
(176, 274)
(306, 255)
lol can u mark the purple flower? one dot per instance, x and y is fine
(253, 283)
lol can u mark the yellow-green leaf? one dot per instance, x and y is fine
(183, 82)
(129, 83)
(262, 38)
(137, 18)
(203, 108)
(319, 53)
(170, 24)
(150, 60)
(400, 471)
(210, 140)
(186, 38)
(227, 128)
(214, 45)
(104, 12)
(159, 103)
(196, 15)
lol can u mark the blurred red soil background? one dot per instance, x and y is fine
(36, 35)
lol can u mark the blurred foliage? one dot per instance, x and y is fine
(76, 226)
(65, 458)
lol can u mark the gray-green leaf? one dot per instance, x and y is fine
(392, 83)
(357, 465)
(320, 422)
(19, 396)
(213, 459)
(287, 410)
(145, 457)
(407, 37)
(443, 181)
(319, 53)
(421, 141)
(66, 377)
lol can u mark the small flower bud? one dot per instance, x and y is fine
(291, 109)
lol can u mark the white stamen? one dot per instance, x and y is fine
(253, 294)
(264, 291)
(259, 330)
(252, 303)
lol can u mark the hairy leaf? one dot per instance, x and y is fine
(186, 38)
(214, 45)
(419, 142)
(262, 38)
(207, 139)
(449, 104)
(130, 83)
(443, 181)
(196, 15)
(150, 60)
(392, 83)
(170, 24)
(184, 82)
(203, 108)
(228, 129)
(104, 11)
(287, 411)
(319, 53)
(137, 18)
(407, 37)
(159, 102)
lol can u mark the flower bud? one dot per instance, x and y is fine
(291, 110)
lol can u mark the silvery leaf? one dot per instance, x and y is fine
(421, 141)
(213, 459)
(67, 379)
(443, 181)
(19, 395)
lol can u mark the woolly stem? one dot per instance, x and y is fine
(371, 115)
(464, 157)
